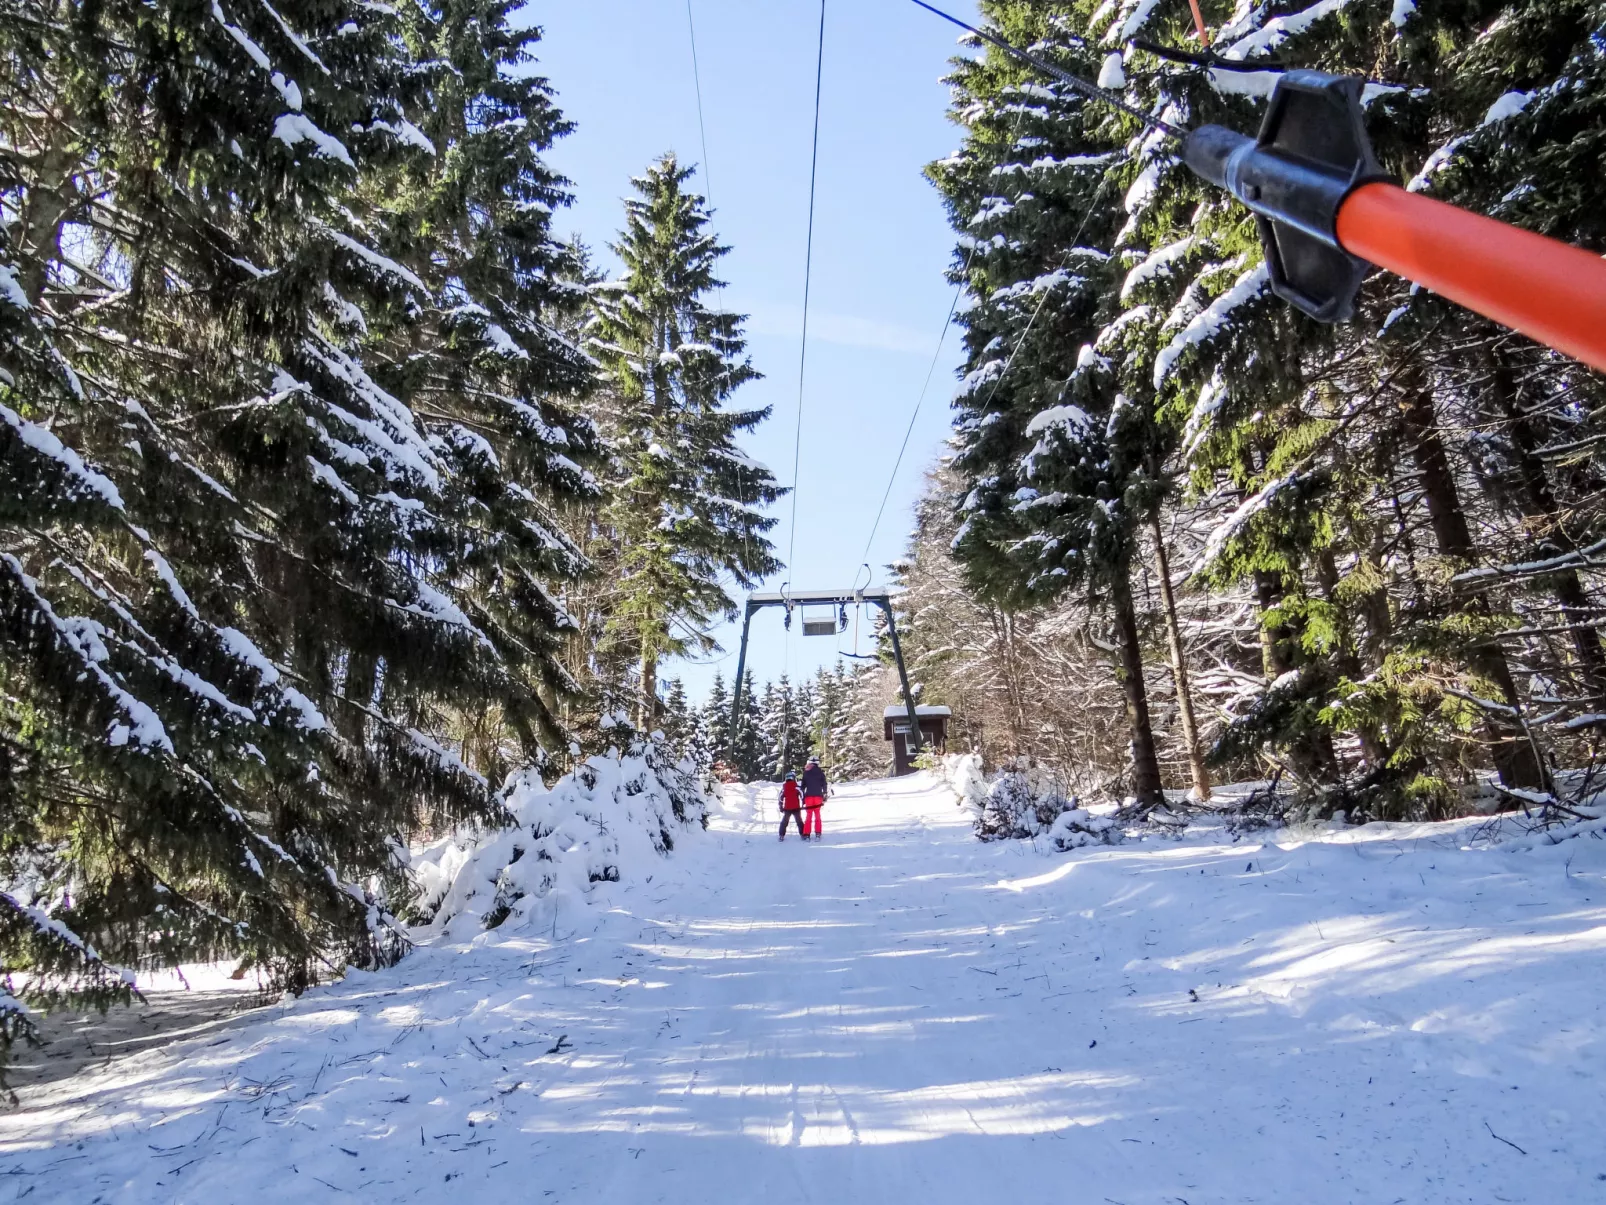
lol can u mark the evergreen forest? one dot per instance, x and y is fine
(337, 489)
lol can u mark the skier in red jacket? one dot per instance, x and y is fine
(791, 802)
(814, 792)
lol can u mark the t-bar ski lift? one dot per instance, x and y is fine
(838, 601)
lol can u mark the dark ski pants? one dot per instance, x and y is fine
(794, 815)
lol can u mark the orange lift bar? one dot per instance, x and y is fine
(1551, 291)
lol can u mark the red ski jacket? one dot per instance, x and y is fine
(791, 799)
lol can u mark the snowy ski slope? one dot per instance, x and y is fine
(902, 1014)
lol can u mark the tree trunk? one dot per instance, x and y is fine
(1347, 659)
(1539, 504)
(649, 693)
(1145, 764)
(1515, 758)
(1179, 665)
(1274, 658)
(362, 676)
(1311, 754)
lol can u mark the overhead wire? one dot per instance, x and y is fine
(936, 357)
(702, 128)
(808, 281)
(803, 349)
(1086, 87)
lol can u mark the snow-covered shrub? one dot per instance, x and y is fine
(1025, 800)
(963, 773)
(609, 820)
(1076, 827)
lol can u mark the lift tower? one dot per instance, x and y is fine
(877, 596)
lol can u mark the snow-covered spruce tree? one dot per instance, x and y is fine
(679, 724)
(1342, 441)
(712, 741)
(747, 751)
(685, 512)
(1057, 465)
(498, 390)
(227, 585)
(773, 708)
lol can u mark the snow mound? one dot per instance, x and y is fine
(609, 821)
(1024, 801)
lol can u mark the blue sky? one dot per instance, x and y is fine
(623, 72)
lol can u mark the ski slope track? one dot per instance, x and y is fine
(903, 1014)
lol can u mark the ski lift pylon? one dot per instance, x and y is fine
(835, 603)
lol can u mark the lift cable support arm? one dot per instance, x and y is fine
(877, 596)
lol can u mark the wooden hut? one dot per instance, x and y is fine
(933, 735)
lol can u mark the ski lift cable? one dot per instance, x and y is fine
(697, 81)
(920, 401)
(1328, 213)
(1086, 87)
(936, 358)
(808, 282)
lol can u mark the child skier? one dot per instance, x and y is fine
(814, 792)
(791, 802)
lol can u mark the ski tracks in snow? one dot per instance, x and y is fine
(899, 1013)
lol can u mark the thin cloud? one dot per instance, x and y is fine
(785, 320)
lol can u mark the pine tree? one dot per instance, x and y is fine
(747, 747)
(252, 536)
(1058, 466)
(714, 725)
(685, 509)
(678, 722)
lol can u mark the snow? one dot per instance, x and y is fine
(325, 474)
(1157, 263)
(1112, 74)
(1279, 29)
(48, 445)
(295, 38)
(385, 264)
(1211, 398)
(1056, 417)
(242, 649)
(406, 133)
(450, 760)
(432, 604)
(139, 723)
(612, 821)
(1229, 527)
(903, 1013)
(1508, 105)
(1139, 15)
(293, 128)
(900, 712)
(395, 436)
(10, 291)
(307, 715)
(503, 343)
(258, 55)
(165, 571)
(1211, 320)
(1402, 12)
(46, 923)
